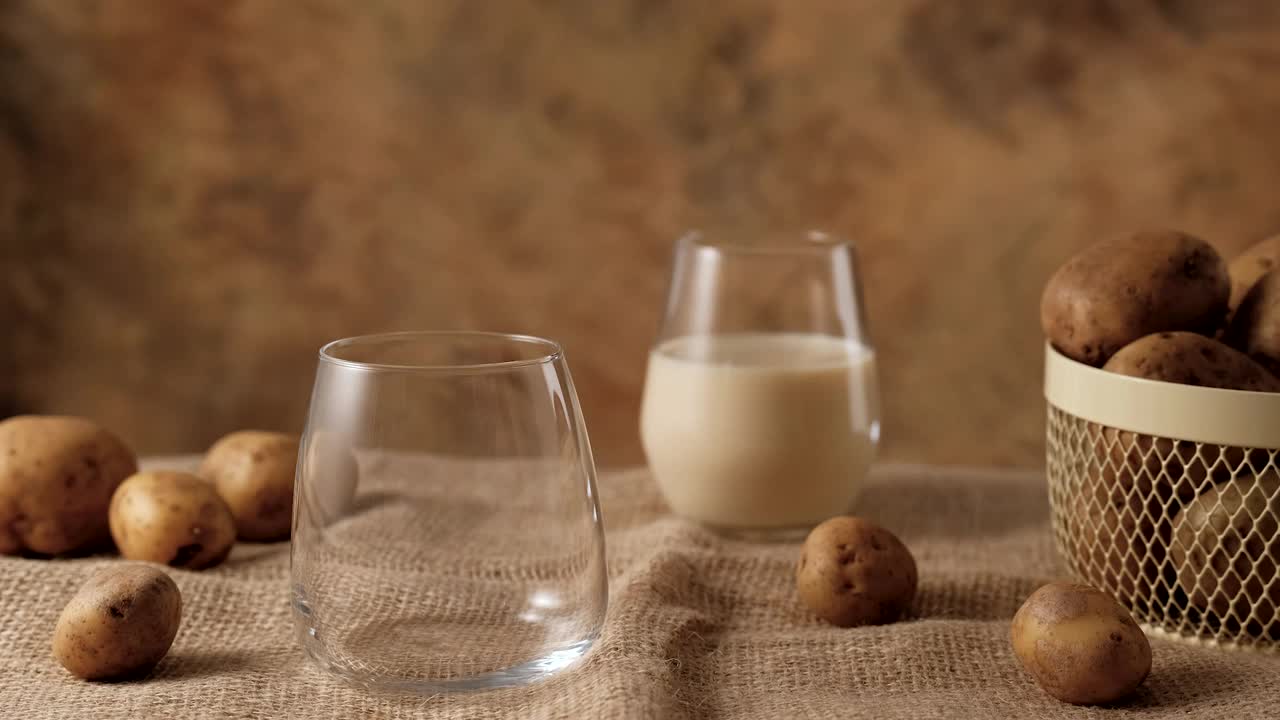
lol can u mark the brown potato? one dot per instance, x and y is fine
(1079, 644)
(1225, 545)
(1117, 291)
(57, 475)
(173, 518)
(1258, 260)
(1255, 327)
(1147, 480)
(120, 623)
(1141, 482)
(1191, 359)
(332, 476)
(254, 471)
(1128, 524)
(1113, 527)
(1186, 464)
(853, 572)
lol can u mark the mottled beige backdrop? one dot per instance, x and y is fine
(195, 195)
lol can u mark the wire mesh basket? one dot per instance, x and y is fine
(1168, 497)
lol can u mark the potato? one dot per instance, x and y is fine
(1250, 265)
(1191, 359)
(1117, 291)
(119, 624)
(253, 471)
(1255, 328)
(173, 518)
(1124, 512)
(1113, 526)
(57, 475)
(1136, 497)
(1123, 516)
(332, 477)
(1224, 546)
(1079, 644)
(853, 572)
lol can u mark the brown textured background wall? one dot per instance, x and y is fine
(195, 195)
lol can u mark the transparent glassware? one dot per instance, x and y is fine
(446, 529)
(760, 410)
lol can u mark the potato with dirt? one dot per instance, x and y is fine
(1117, 291)
(1080, 645)
(1106, 523)
(1249, 266)
(854, 572)
(1190, 359)
(172, 518)
(57, 475)
(1225, 546)
(1255, 327)
(253, 471)
(1162, 473)
(333, 476)
(120, 623)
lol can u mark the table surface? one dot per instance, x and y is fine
(699, 626)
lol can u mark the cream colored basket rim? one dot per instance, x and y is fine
(1182, 412)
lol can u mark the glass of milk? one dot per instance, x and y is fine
(760, 414)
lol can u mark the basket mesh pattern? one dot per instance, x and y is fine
(1185, 534)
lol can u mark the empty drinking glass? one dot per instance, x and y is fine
(446, 529)
(760, 412)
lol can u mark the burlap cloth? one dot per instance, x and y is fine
(698, 627)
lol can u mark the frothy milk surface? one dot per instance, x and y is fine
(760, 430)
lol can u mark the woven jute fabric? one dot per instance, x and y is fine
(698, 626)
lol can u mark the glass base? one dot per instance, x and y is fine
(794, 532)
(525, 673)
(416, 655)
(786, 534)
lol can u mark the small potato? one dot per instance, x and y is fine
(253, 471)
(1255, 327)
(1258, 260)
(1117, 291)
(1191, 359)
(1122, 516)
(119, 624)
(173, 518)
(1080, 645)
(1163, 475)
(332, 476)
(57, 475)
(1109, 527)
(1124, 512)
(1225, 547)
(853, 572)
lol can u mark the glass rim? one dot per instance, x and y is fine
(553, 351)
(815, 241)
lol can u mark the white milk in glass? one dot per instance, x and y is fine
(760, 430)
